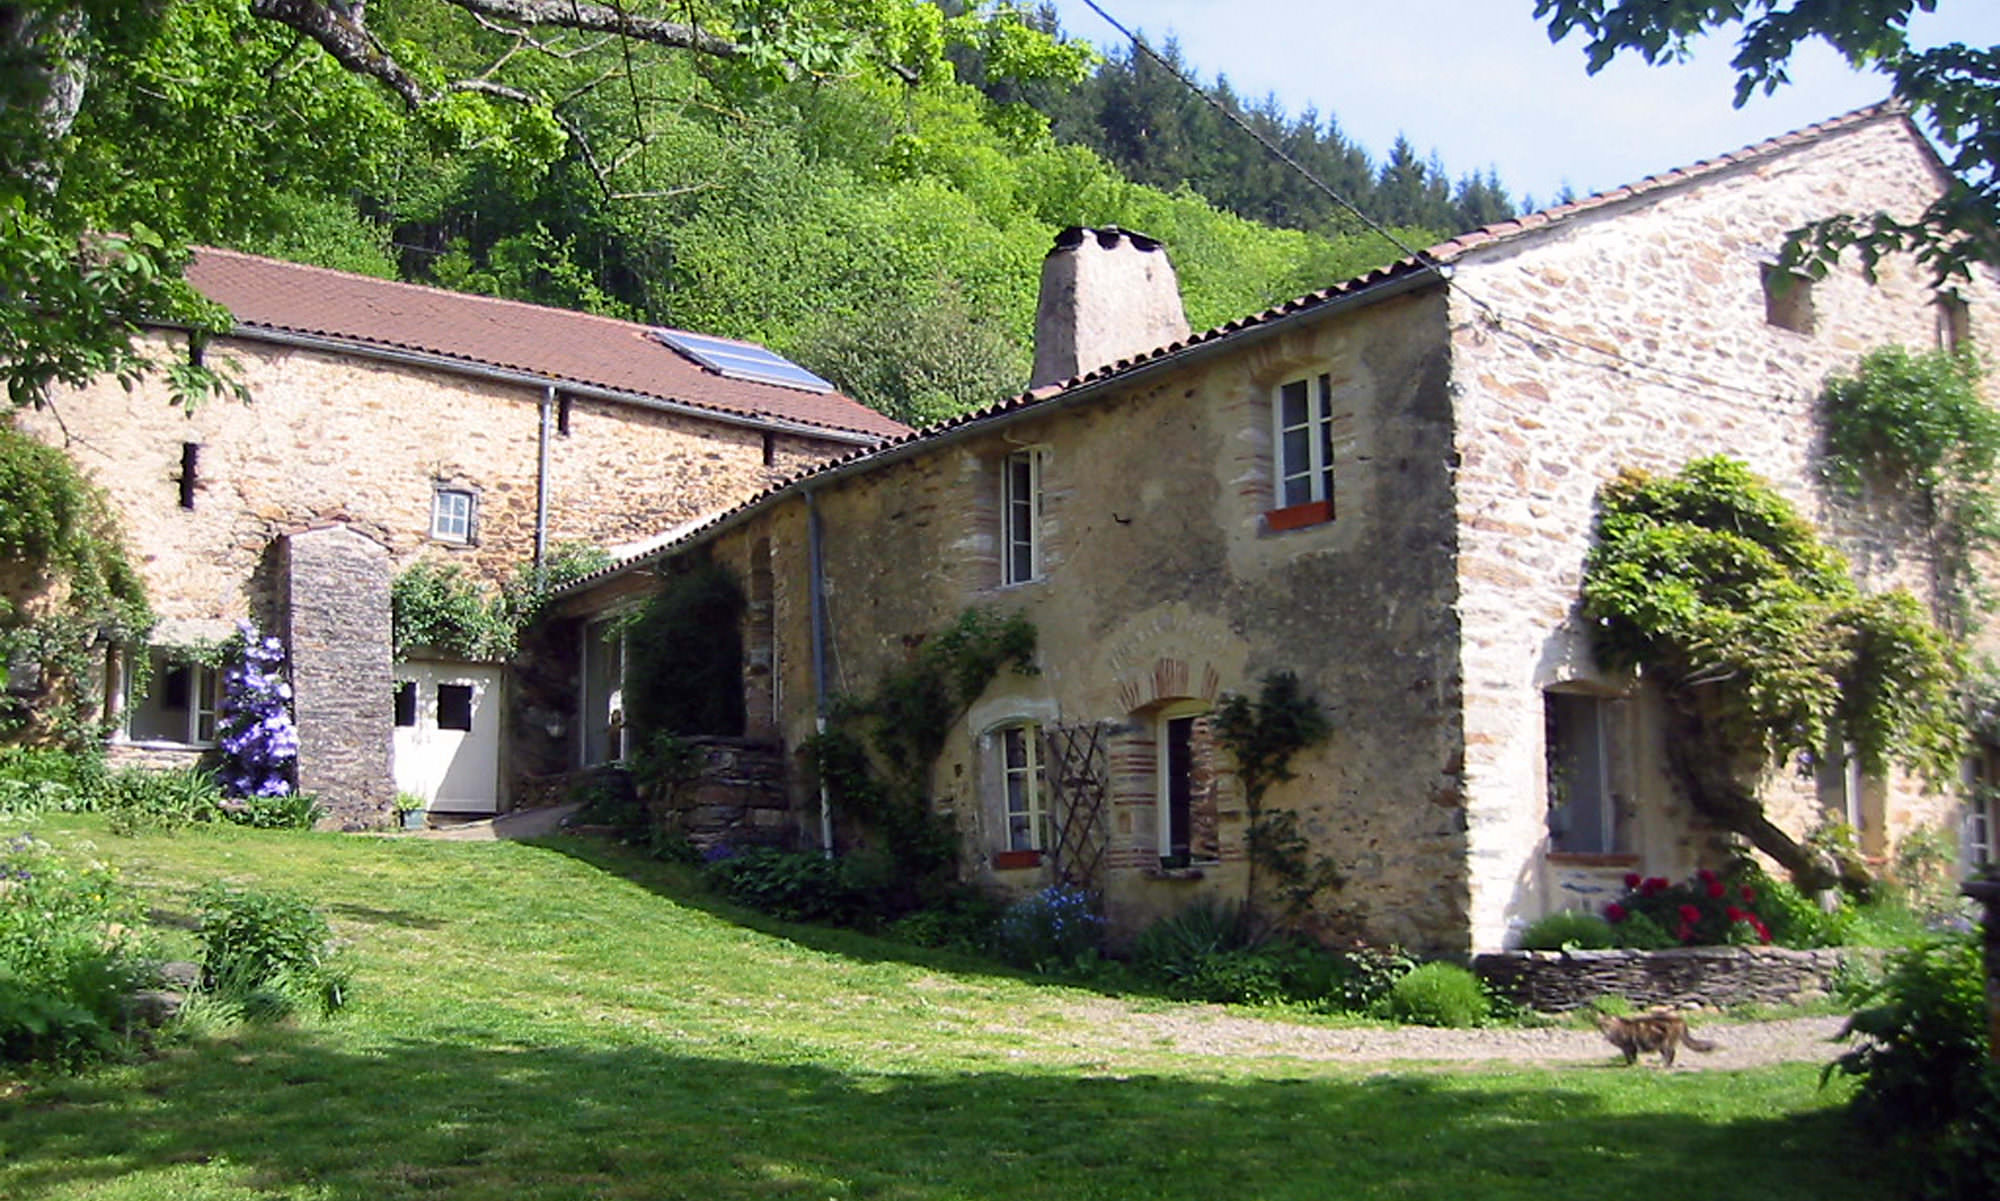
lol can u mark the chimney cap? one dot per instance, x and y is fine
(1107, 236)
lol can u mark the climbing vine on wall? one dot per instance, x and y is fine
(65, 587)
(684, 657)
(1917, 424)
(441, 606)
(1764, 648)
(877, 757)
(1262, 735)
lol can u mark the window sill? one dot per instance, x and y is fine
(1295, 517)
(1593, 858)
(1008, 861)
(1193, 871)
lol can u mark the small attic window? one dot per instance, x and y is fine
(1788, 300)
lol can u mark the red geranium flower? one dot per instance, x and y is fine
(1749, 894)
(1685, 933)
(1631, 880)
(1690, 914)
(1763, 931)
(1734, 914)
(1715, 889)
(1614, 912)
(1706, 876)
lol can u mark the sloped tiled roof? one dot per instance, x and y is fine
(1399, 276)
(482, 332)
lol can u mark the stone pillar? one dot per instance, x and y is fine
(334, 594)
(1987, 893)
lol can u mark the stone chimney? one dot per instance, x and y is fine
(1107, 294)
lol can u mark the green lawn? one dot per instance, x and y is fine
(563, 1022)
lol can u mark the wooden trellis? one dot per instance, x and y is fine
(1079, 785)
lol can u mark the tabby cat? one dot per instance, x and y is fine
(1661, 1030)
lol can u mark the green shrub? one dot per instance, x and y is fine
(1215, 951)
(138, 799)
(38, 780)
(67, 958)
(798, 886)
(962, 921)
(267, 951)
(1056, 929)
(1173, 949)
(291, 811)
(1567, 930)
(1922, 1037)
(1438, 994)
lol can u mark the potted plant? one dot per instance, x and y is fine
(410, 813)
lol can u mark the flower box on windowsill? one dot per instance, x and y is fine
(1004, 861)
(1293, 517)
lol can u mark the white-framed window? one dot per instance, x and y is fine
(1184, 784)
(1583, 808)
(1302, 433)
(1021, 517)
(1025, 785)
(603, 692)
(452, 514)
(1980, 831)
(180, 704)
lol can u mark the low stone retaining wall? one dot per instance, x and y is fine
(1710, 977)
(737, 796)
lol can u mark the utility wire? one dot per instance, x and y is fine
(1419, 256)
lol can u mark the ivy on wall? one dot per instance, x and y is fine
(1764, 648)
(1917, 424)
(65, 588)
(877, 756)
(684, 657)
(440, 606)
(1262, 735)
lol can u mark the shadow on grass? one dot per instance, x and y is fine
(283, 1111)
(681, 884)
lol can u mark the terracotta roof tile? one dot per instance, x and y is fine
(556, 344)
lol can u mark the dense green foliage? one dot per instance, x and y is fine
(1212, 950)
(69, 955)
(1926, 1081)
(809, 174)
(65, 583)
(1438, 994)
(1917, 424)
(267, 952)
(1954, 88)
(1762, 644)
(684, 658)
(1567, 930)
(441, 606)
(876, 759)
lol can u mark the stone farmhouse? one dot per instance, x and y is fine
(1386, 487)
(388, 423)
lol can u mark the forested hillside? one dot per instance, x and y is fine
(882, 224)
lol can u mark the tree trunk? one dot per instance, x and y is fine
(1714, 782)
(41, 87)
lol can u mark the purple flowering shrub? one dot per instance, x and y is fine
(260, 745)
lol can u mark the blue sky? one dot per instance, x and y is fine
(1479, 81)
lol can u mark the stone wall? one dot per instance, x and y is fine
(737, 797)
(1635, 336)
(336, 632)
(1161, 587)
(1709, 977)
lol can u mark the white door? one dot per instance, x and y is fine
(447, 740)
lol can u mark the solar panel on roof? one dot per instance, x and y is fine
(742, 360)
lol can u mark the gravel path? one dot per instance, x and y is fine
(1214, 1031)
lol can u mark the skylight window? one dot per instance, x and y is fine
(741, 360)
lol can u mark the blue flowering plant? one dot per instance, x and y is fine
(1054, 930)
(260, 744)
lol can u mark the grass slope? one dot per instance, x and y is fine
(540, 1022)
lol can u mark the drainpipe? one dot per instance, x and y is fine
(816, 589)
(542, 480)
